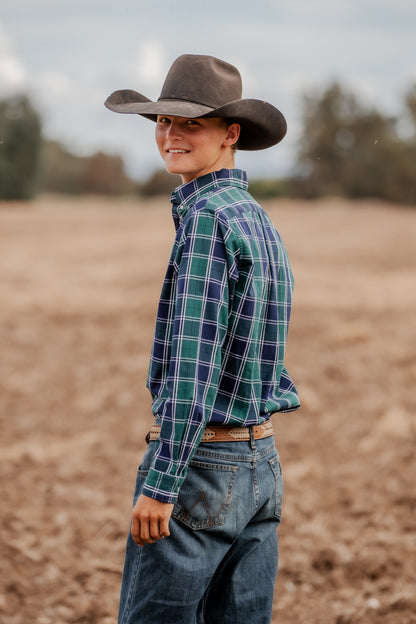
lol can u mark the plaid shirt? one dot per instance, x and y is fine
(221, 326)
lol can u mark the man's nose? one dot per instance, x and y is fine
(174, 131)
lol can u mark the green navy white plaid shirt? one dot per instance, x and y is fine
(221, 326)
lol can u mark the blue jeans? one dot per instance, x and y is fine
(219, 564)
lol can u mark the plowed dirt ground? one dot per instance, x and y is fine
(79, 284)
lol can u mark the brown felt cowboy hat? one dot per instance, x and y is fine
(204, 86)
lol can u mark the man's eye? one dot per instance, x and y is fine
(163, 120)
(192, 122)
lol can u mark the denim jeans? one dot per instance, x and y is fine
(219, 564)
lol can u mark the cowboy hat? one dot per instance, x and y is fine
(204, 86)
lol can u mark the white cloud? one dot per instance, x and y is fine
(55, 85)
(397, 5)
(12, 73)
(150, 68)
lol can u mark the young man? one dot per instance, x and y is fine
(203, 542)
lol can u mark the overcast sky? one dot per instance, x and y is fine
(70, 54)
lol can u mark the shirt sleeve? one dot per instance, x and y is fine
(200, 326)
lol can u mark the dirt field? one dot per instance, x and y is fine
(79, 283)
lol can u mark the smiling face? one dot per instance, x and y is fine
(194, 147)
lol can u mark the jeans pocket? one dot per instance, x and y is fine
(274, 464)
(205, 495)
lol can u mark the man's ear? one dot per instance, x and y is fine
(233, 133)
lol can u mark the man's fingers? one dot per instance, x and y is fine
(145, 531)
(150, 520)
(164, 527)
(141, 534)
(154, 528)
(135, 531)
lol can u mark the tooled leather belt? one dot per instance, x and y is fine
(224, 433)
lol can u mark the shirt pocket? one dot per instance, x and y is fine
(205, 495)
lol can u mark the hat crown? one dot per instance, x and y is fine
(202, 79)
(204, 86)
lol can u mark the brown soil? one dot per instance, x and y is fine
(79, 284)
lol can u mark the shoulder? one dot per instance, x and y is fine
(225, 205)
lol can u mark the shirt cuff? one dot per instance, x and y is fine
(162, 487)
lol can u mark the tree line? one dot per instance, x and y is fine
(345, 148)
(31, 164)
(351, 150)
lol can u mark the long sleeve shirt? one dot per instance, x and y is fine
(221, 325)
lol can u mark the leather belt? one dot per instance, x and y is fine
(224, 433)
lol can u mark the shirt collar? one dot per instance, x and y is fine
(187, 194)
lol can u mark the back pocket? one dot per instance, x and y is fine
(205, 495)
(277, 472)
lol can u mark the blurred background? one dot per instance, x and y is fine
(343, 74)
(85, 237)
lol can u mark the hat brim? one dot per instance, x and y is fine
(262, 124)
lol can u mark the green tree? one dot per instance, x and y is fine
(410, 102)
(62, 171)
(347, 149)
(65, 172)
(327, 139)
(20, 144)
(266, 188)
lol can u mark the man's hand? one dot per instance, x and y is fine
(150, 521)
